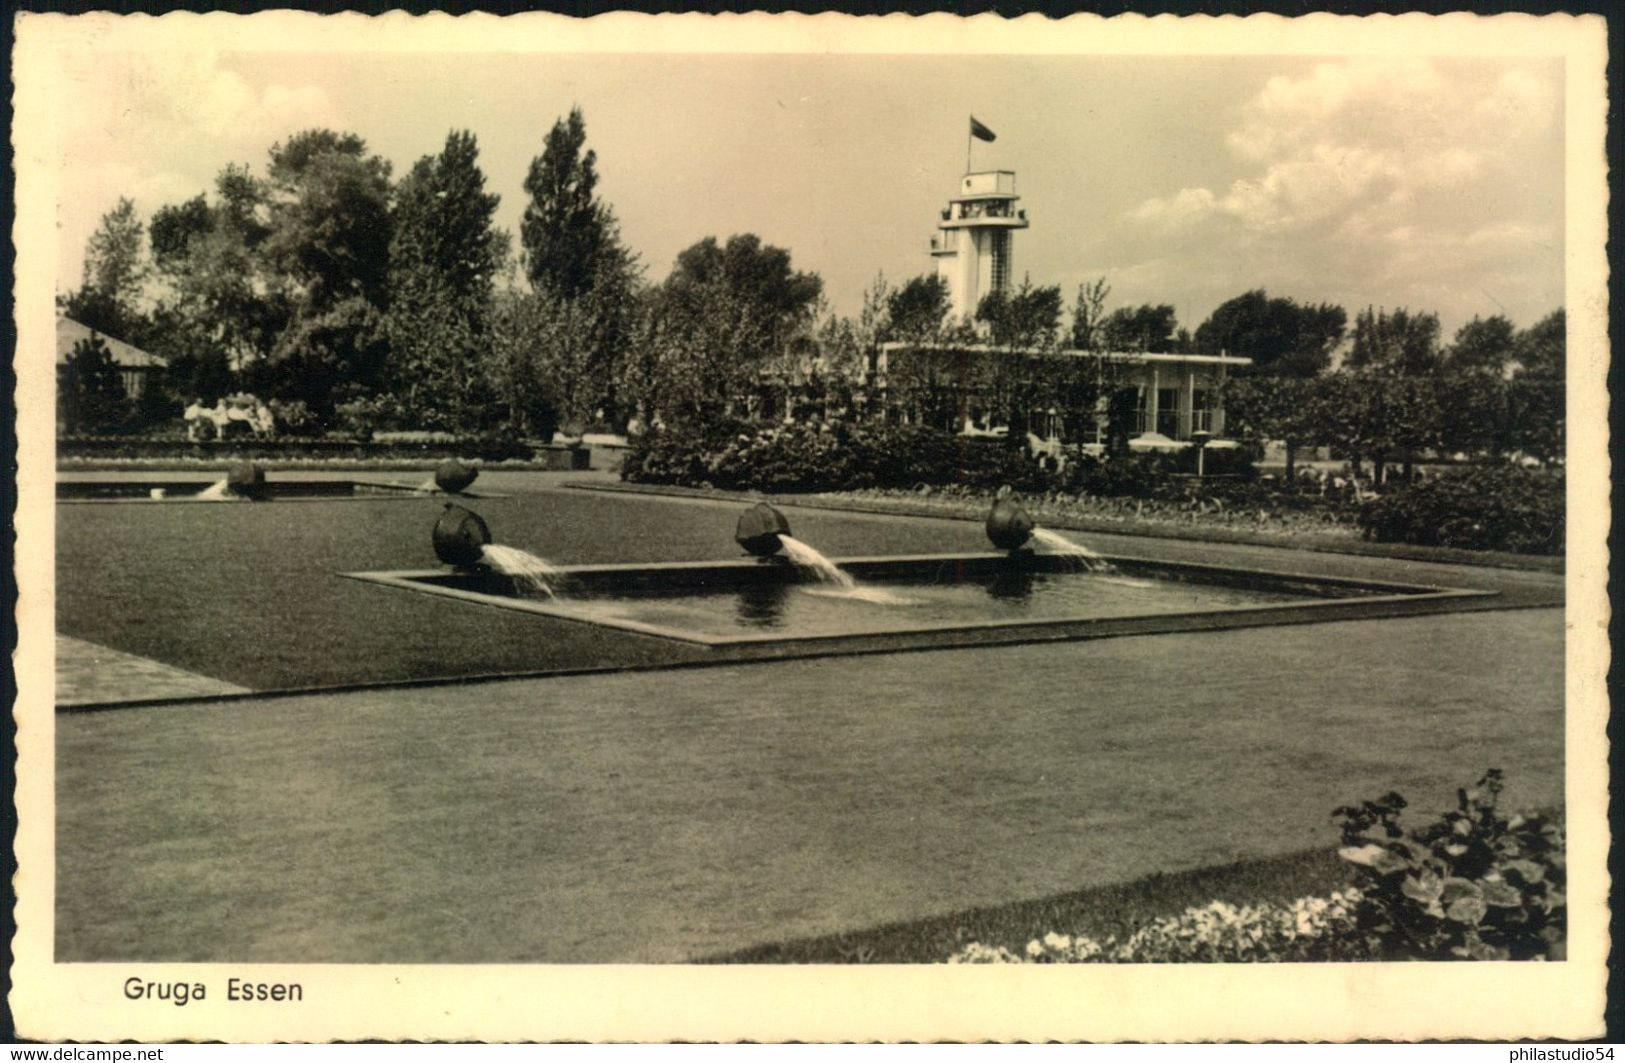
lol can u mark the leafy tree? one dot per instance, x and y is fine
(759, 276)
(220, 306)
(918, 311)
(1372, 412)
(114, 280)
(1140, 328)
(1286, 408)
(1029, 318)
(1400, 341)
(566, 230)
(175, 227)
(1089, 314)
(515, 369)
(725, 315)
(1282, 337)
(328, 249)
(579, 270)
(91, 398)
(1537, 416)
(1483, 344)
(330, 218)
(444, 257)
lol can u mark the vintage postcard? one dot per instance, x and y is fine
(819, 528)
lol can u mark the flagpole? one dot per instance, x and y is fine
(969, 139)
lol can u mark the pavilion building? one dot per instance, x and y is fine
(1170, 400)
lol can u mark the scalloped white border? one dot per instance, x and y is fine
(1321, 1002)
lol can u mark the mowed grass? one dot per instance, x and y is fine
(249, 593)
(1100, 912)
(661, 817)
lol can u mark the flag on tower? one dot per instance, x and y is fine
(980, 131)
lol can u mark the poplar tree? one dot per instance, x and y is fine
(444, 256)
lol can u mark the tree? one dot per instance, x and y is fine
(1088, 315)
(444, 256)
(328, 250)
(92, 396)
(1400, 341)
(725, 316)
(1028, 319)
(1140, 328)
(114, 279)
(1286, 408)
(566, 230)
(1482, 345)
(1537, 418)
(330, 218)
(918, 311)
(579, 270)
(1282, 337)
(175, 227)
(220, 306)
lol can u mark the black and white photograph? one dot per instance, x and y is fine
(781, 527)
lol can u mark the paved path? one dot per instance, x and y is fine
(88, 674)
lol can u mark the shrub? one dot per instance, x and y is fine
(1472, 885)
(824, 456)
(1500, 507)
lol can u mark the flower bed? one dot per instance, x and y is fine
(1472, 884)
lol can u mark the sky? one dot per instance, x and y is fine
(1434, 184)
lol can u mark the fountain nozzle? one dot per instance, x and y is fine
(454, 477)
(246, 480)
(1008, 525)
(460, 536)
(759, 529)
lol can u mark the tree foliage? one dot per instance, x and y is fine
(1028, 318)
(1140, 328)
(1282, 337)
(330, 218)
(1398, 341)
(918, 311)
(444, 257)
(91, 398)
(566, 229)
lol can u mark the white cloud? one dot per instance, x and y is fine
(1371, 171)
(157, 127)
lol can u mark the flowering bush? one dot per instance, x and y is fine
(1309, 928)
(1472, 885)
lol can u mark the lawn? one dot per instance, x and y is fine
(249, 593)
(658, 817)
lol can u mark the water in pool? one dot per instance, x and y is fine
(831, 609)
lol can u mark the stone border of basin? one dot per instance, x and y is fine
(376, 491)
(1384, 599)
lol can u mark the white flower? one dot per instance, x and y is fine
(1035, 949)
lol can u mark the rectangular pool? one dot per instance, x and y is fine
(952, 599)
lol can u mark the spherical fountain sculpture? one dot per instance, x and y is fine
(1008, 525)
(759, 529)
(454, 477)
(246, 480)
(460, 537)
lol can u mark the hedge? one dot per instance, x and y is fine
(115, 447)
(1500, 507)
